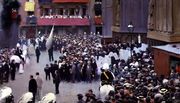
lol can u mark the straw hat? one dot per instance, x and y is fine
(105, 66)
(163, 91)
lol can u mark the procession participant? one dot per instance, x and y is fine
(32, 87)
(39, 82)
(38, 53)
(107, 77)
(50, 53)
(47, 72)
(56, 82)
(13, 69)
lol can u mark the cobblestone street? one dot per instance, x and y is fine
(68, 91)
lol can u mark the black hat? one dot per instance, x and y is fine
(80, 96)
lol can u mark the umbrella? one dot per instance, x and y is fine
(15, 58)
(50, 97)
(5, 92)
(25, 98)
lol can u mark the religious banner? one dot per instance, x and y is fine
(29, 6)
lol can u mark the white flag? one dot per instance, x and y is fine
(50, 39)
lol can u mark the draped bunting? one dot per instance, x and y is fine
(29, 6)
(98, 20)
(63, 21)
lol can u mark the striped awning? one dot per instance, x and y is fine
(63, 22)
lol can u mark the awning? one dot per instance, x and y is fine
(63, 21)
(70, 1)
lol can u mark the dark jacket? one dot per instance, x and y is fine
(47, 70)
(33, 86)
(50, 51)
(56, 79)
(107, 77)
(38, 53)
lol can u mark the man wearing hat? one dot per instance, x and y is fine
(80, 98)
(107, 77)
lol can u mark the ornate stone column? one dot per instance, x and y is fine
(151, 15)
(165, 15)
(169, 15)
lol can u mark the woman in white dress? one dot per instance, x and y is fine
(21, 68)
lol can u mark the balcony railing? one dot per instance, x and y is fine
(63, 21)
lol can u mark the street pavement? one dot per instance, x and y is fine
(68, 91)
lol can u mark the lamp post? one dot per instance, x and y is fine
(131, 29)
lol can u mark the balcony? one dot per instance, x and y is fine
(63, 21)
(70, 1)
(31, 20)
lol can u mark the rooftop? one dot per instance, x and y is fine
(172, 48)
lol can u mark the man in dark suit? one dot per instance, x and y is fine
(56, 81)
(38, 53)
(107, 76)
(7, 70)
(80, 98)
(50, 53)
(32, 87)
(13, 69)
(47, 72)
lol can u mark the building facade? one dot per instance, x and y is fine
(163, 22)
(68, 17)
(126, 12)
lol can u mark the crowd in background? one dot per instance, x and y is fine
(9, 68)
(136, 80)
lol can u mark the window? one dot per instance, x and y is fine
(98, 0)
(46, 11)
(30, 13)
(83, 12)
(98, 9)
(60, 11)
(71, 11)
(99, 30)
(77, 11)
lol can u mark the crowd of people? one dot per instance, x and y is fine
(10, 67)
(77, 58)
(137, 82)
(135, 78)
